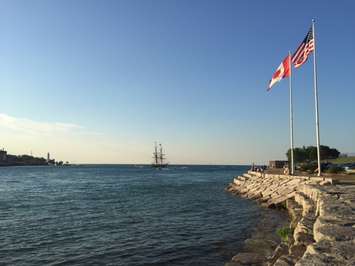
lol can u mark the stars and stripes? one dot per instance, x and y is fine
(305, 48)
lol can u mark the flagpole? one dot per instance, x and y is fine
(316, 97)
(291, 115)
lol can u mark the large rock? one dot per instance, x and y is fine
(343, 250)
(320, 259)
(281, 250)
(280, 199)
(303, 233)
(284, 261)
(332, 231)
(261, 246)
(297, 251)
(248, 258)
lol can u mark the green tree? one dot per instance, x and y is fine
(312, 153)
(308, 154)
(299, 155)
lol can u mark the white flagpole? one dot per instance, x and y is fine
(291, 116)
(316, 97)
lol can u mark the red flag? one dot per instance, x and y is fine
(283, 71)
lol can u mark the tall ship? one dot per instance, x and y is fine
(159, 157)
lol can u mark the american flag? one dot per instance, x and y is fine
(305, 48)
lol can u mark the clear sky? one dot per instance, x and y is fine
(100, 81)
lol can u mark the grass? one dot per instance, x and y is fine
(342, 160)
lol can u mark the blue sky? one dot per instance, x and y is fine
(100, 81)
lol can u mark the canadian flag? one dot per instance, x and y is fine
(283, 71)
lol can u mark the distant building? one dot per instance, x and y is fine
(3, 155)
(277, 164)
(49, 160)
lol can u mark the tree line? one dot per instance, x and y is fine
(309, 154)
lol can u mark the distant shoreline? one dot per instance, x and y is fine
(15, 164)
(120, 164)
(7, 160)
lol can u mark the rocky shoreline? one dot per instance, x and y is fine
(263, 239)
(322, 220)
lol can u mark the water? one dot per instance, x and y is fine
(121, 215)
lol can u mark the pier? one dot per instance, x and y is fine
(322, 214)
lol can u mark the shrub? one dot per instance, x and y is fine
(334, 170)
(308, 167)
(284, 233)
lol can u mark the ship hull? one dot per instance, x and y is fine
(159, 165)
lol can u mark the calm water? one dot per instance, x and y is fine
(121, 215)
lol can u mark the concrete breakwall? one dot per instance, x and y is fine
(322, 217)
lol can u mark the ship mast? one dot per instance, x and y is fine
(161, 155)
(155, 154)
